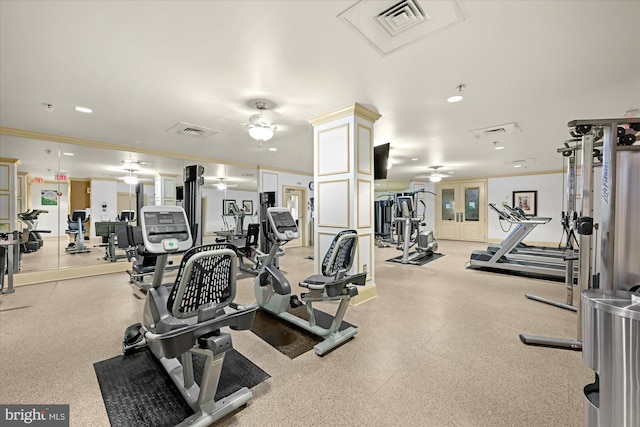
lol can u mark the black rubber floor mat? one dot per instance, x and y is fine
(138, 392)
(421, 261)
(287, 338)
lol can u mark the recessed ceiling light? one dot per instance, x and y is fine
(273, 149)
(67, 154)
(517, 166)
(497, 147)
(458, 96)
(414, 159)
(84, 109)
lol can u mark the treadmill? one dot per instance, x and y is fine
(507, 258)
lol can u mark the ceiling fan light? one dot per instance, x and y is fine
(131, 179)
(260, 133)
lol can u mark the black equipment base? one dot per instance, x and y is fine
(420, 262)
(287, 338)
(138, 392)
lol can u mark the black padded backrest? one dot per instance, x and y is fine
(212, 280)
(82, 215)
(253, 231)
(127, 216)
(339, 256)
(123, 237)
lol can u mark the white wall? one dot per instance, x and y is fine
(274, 181)
(214, 221)
(56, 218)
(550, 188)
(103, 192)
(551, 202)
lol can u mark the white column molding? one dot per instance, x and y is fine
(343, 176)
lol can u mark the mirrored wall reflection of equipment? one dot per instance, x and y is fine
(77, 231)
(61, 178)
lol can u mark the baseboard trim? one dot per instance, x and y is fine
(34, 277)
(365, 294)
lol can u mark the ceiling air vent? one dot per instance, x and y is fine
(400, 17)
(391, 25)
(182, 128)
(496, 130)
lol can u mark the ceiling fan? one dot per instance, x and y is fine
(435, 176)
(260, 125)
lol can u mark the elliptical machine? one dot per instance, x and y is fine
(34, 239)
(273, 291)
(184, 318)
(409, 234)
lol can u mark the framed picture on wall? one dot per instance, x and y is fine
(527, 201)
(228, 206)
(247, 207)
(48, 197)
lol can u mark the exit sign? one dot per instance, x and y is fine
(38, 180)
(61, 177)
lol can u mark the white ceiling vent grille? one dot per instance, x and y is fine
(182, 128)
(400, 17)
(496, 130)
(391, 25)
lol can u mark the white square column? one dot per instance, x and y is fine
(343, 175)
(9, 195)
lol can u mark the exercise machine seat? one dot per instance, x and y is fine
(194, 307)
(72, 221)
(337, 261)
(185, 318)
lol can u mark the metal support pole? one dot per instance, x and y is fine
(607, 248)
(584, 277)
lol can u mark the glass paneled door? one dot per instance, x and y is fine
(460, 212)
(295, 201)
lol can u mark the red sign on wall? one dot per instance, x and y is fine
(38, 180)
(61, 177)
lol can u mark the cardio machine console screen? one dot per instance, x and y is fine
(283, 224)
(162, 223)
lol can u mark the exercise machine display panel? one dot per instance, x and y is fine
(165, 225)
(282, 223)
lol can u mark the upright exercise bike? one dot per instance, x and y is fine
(76, 231)
(185, 317)
(273, 291)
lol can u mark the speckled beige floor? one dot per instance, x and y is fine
(439, 346)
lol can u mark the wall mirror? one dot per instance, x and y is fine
(60, 178)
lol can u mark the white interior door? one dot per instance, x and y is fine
(294, 199)
(461, 211)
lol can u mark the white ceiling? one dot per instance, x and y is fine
(143, 66)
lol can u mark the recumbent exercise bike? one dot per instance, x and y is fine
(273, 291)
(184, 318)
